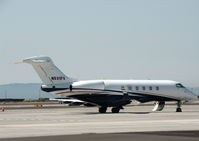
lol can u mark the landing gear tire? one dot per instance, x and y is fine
(102, 109)
(179, 104)
(178, 110)
(115, 110)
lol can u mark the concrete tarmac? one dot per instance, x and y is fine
(152, 136)
(67, 122)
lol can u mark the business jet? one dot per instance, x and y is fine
(110, 93)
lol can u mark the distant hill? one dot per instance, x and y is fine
(28, 91)
(32, 91)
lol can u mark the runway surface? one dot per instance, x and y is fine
(87, 121)
(153, 136)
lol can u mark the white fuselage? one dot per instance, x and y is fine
(163, 88)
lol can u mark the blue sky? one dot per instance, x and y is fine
(102, 39)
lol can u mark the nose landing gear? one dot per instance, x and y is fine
(179, 104)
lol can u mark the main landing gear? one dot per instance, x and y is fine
(116, 109)
(113, 110)
(102, 109)
(179, 104)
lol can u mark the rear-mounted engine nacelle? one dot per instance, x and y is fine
(51, 88)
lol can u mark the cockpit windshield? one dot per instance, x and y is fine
(179, 85)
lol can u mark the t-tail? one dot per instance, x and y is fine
(50, 75)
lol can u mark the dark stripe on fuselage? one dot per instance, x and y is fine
(104, 97)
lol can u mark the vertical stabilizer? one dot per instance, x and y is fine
(48, 72)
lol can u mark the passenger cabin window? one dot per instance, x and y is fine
(137, 88)
(129, 88)
(157, 88)
(143, 88)
(178, 85)
(150, 88)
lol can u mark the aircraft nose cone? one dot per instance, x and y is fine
(191, 94)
